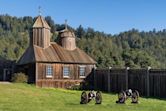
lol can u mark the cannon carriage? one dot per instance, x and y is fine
(92, 95)
(124, 95)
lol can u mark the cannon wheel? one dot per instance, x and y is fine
(98, 97)
(135, 96)
(121, 97)
(84, 98)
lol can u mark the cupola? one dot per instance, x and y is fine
(67, 39)
(41, 33)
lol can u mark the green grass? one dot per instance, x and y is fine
(24, 97)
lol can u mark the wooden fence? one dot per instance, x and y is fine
(149, 82)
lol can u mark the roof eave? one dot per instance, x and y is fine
(65, 62)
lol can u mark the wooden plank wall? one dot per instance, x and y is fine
(157, 84)
(58, 80)
(115, 80)
(57, 83)
(101, 80)
(6, 65)
(137, 80)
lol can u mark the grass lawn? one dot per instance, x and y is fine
(24, 97)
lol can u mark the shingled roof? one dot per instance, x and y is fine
(54, 54)
(40, 22)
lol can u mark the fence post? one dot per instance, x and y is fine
(127, 68)
(109, 88)
(147, 77)
(94, 73)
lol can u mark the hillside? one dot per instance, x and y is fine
(131, 48)
(24, 97)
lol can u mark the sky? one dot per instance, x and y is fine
(109, 16)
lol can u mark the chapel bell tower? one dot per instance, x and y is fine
(41, 33)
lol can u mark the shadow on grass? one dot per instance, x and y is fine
(158, 98)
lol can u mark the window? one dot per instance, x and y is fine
(82, 71)
(49, 71)
(66, 71)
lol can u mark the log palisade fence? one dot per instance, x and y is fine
(149, 82)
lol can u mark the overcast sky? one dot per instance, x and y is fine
(109, 16)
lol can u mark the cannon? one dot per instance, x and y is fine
(124, 95)
(92, 95)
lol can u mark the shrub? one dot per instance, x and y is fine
(75, 87)
(20, 78)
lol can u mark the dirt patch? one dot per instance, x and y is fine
(5, 82)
